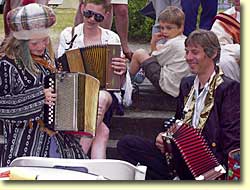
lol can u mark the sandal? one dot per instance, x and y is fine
(139, 76)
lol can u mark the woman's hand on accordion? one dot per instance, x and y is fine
(119, 65)
(159, 143)
(50, 97)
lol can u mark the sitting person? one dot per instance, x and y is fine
(209, 101)
(166, 66)
(120, 9)
(90, 33)
(27, 60)
(159, 6)
(12, 4)
(227, 28)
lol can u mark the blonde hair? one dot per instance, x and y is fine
(173, 15)
(20, 52)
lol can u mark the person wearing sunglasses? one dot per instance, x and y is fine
(97, 16)
(120, 9)
(90, 33)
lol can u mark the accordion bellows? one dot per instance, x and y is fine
(76, 103)
(94, 60)
(195, 151)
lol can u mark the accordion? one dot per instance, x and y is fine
(76, 103)
(195, 151)
(234, 165)
(94, 60)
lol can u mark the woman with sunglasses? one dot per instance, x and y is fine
(90, 33)
(120, 9)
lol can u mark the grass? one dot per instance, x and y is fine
(65, 18)
(1, 27)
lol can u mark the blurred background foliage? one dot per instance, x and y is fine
(139, 25)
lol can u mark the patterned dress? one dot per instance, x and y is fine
(21, 115)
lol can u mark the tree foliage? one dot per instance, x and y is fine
(139, 26)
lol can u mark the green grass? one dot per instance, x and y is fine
(65, 18)
(1, 27)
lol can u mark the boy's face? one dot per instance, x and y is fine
(169, 30)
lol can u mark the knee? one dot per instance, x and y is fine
(105, 100)
(140, 55)
(102, 132)
(140, 52)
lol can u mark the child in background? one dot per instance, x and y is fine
(166, 65)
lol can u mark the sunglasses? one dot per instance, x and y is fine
(97, 16)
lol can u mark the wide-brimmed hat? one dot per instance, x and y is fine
(31, 21)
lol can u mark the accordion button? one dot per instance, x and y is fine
(213, 144)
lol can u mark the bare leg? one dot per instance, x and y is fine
(98, 150)
(6, 9)
(86, 143)
(107, 23)
(138, 58)
(102, 133)
(79, 16)
(105, 100)
(121, 24)
(99, 144)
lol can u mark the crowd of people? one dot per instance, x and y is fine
(199, 67)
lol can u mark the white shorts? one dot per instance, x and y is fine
(119, 2)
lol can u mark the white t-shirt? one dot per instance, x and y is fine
(107, 37)
(173, 64)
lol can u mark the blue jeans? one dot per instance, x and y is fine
(191, 7)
